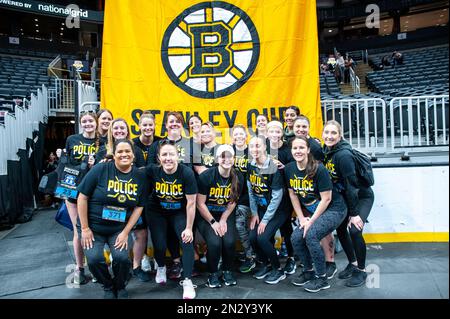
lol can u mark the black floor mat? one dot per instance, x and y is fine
(33, 262)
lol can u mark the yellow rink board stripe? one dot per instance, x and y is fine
(406, 237)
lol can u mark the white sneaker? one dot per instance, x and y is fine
(145, 264)
(161, 277)
(188, 289)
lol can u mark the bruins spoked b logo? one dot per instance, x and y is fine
(211, 49)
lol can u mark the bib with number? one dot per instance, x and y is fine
(117, 214)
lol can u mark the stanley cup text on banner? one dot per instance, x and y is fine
(228, 61)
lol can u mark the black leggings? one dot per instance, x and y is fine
(159, 225)
(219, 246)
(263, 244)
(286, 232)
(353, 243)
(121, 264)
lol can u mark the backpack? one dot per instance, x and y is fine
(363, 167)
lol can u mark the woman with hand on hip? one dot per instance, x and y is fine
(111, 199)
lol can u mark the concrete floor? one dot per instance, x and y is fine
(400, 271)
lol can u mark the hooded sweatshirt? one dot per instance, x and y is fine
(340, 164)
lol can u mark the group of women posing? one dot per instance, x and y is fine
(175, 186)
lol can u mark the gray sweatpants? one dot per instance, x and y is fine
(308, 248)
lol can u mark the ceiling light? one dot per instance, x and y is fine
(37, 25)
(62, 29)
(36, 19)
(330, 30)
(37, 30)
(61, 33)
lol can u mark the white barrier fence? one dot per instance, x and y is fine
(419, 121)
(363, 122)
(19, 126)
(408, 122)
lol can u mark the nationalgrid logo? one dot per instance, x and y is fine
(210, 50)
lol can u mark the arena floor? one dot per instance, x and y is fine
(37, 263)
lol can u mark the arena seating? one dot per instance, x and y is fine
(423, 72)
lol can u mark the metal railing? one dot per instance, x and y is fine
(363, 121)
(61, 97)
(19, 126)
(354, 81)
(419, 121)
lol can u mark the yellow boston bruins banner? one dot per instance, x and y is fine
(228, 61)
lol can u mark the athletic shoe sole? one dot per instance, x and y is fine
(244, 271)
(317, 290)
(291, 272)
(276, 281)
(262, 276)
(332, 275)
(230, 283)
(211, 286)
(353, 286)
(300, 284)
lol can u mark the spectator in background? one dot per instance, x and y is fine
(341, 66)
(397, 58)
(385, 61)
(50, 165)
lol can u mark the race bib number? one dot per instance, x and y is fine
(216, 208)
(66, 192)
(117, 214)
(171, 206)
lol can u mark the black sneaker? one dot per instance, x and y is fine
(141, 275)
(247, 266)
(262, 271)
(228, 278)
(347, 272)
(109, 293)
(122, 294)
(305, 277)
(331, 269)
(175, 271)
(317, 284)
(357, 279)
(213, 281)
(275, 276)
(290, 266)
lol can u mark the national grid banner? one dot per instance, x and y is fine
(227, 61)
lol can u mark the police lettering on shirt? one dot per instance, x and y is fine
(78, 147)
(105, 185)
(217, 189)
(308, 189)
(263, 181)
(169, 190)
(122, 189)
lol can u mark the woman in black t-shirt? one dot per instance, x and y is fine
(340, 164)
(118, 129)
(219, 190)
(311, 193)
(105, 118)
(205, 159)
(280, 153)
(111, 199)
(239, 137)
(142, 144)
(265, 189)
(172, 206)
(147, 134)
(302, 128)
(81, 150)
